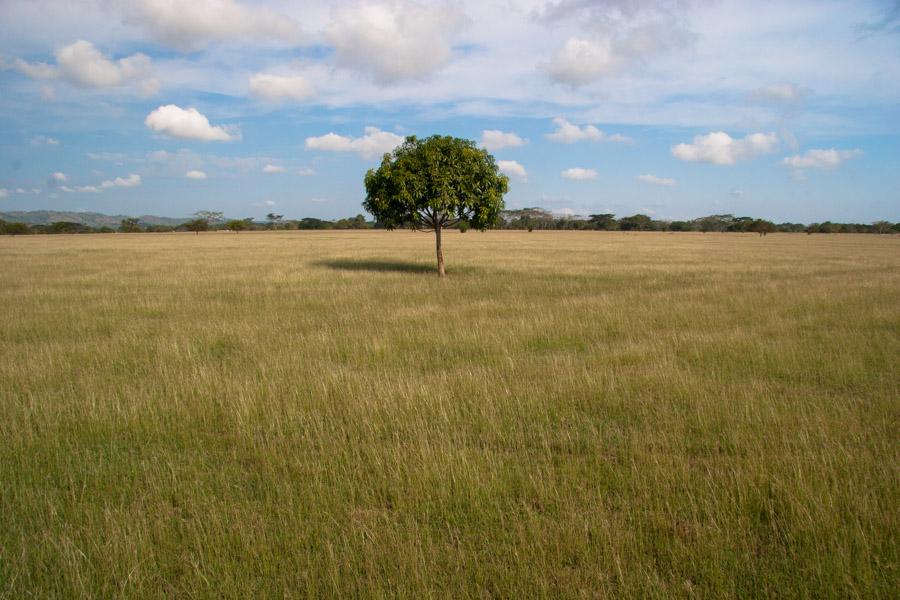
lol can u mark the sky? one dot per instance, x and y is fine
(677, 109)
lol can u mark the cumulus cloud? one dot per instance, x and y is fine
(192, 25)
(280, 88)
(780, 92)
(719, 148)
(189, 124)
(306, 172)
(820, 159)
(59, 177)
(195, 174)
(568, 133)
(580, 61)
(273, 169)
(579, 173)
(396, 41)
(84, 66)
(511, 167)
(371, 145)
(494, 139)
(666, 181)
(133, 180)
(40, 140)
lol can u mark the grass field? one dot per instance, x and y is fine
(567, 414)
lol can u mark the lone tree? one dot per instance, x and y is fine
(274, 220)
(433, 183)
(197, 225)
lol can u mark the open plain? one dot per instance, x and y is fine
(566, 414)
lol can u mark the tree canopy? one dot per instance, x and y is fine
(437, 182)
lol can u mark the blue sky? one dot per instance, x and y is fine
(785, 110)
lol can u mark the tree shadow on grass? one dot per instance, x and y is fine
(378, 266)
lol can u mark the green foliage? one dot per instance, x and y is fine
(130, 225)
(436, 182)
(604, 222)
(197, 225)
(210, 216)
(636, 223)
(238, 225)
(274, 220)
(67, 227)
(13, 228)
(762, 227)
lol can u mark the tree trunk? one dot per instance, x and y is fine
(440, 253)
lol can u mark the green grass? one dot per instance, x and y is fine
(567, 414)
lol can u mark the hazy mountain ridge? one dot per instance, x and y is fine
(91, 219)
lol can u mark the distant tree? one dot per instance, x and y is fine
(435, 183)
(13, 228)
(197, 225)
(603, 222)
(210, 216)
(679, 226)
(713, 223)
(313, 223)
(359, 222)
(274, 220)
(238, 225)
(740, 224)
(881, 227)
(67, 227)
(762, 227)
(635, 223)
(130, 225)
(463, 226)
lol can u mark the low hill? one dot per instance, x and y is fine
(91, 219)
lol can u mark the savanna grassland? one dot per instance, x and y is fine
(567, 414)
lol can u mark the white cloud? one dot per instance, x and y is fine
(306, 172)
(195, 174)
(568, 133)
(191, 25)
(133, 180)
(494, 139)
(59, 177)
(511, 167)
(41, 71)
(579, 173)
(719, 148)
(372, 145)
(780, 92)
(396, 41)
(580, 61)
(82, 65)
(4, 192)
(273, 169)
(666, 181)
(820, 159)
(269, 203)
(188, 124)
(40, 140)
(280, 88)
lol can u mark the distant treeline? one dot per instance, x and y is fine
(537, 218)
(529, 219)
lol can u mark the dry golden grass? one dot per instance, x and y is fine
(567, 414)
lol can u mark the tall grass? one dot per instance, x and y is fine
(567, 414)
